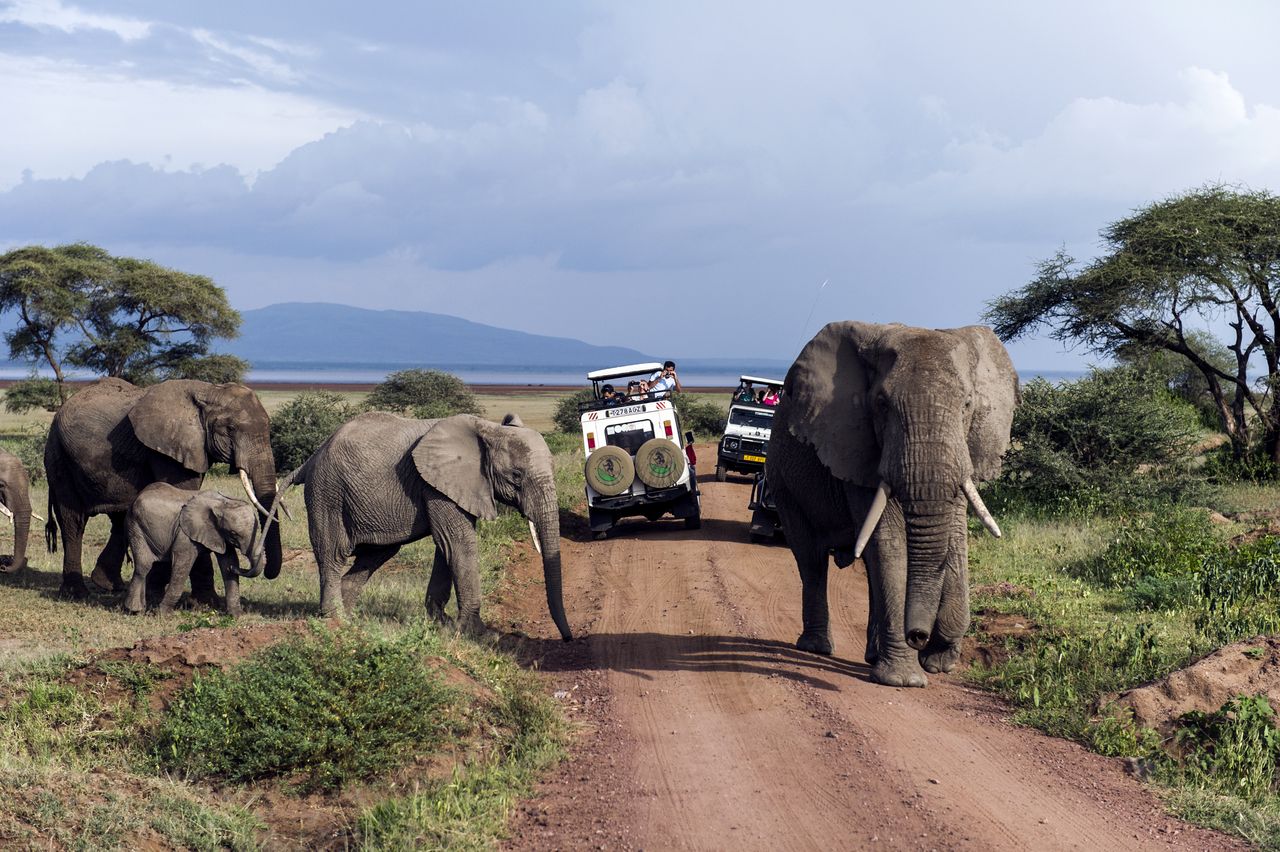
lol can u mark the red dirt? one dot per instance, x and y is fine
(703, 727)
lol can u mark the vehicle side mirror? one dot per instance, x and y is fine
(688, 437)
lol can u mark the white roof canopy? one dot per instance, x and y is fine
(756, 380)
(621, 372)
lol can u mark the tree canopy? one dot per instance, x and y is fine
(426, 394)
(1175, 269)
(78, 306)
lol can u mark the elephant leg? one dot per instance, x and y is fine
(454, 533)
(439, 587)
(943, 651)
(106, 571)
(369, 558)
(330, 565)
(182, 557)
(72, 523)
(136, 600)
(202, 588)
(897, 664)
(816, 638)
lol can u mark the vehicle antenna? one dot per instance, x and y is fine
(812, 308)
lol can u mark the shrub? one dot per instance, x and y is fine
(424, 393)
(33, 392)
(1233, 750)
(566, 417)
(1156, 557)
(320, 710)
(304, 423)
(29, 448)
(1106, 441)
(215, 369)
(704, 417)
(1238, 594)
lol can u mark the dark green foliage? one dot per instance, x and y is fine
(215, 369)
(1156, 557)
(117, 316)
(1174, 371)
(29, 448)
(423, 393)
(1108, 440)
(566, 417)
(319, 711)
(304, 423)
(33, 392)
(704, 417)
(1238, 594)
(1233, 750)
(1210, 256)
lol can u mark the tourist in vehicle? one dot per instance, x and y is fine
(664, 382)
(635, 390)
(612, 399)
(745, 393)
(771, 396)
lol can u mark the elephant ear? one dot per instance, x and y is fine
(199, 521)
(826, 399)
(512, 419)
(453, 459)
(995, 393)
(168, 419)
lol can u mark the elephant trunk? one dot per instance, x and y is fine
(261, 475)
(20, 505)
(929, 527)
(544, 516)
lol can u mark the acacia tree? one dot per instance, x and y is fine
(1171, 270)
(117, 316)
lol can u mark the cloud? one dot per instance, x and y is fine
(51, 14)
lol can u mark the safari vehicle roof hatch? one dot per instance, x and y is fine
(756, 380)
(622, 372)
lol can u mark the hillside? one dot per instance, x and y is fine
(306, 333)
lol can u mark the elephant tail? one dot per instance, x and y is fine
(51, 527)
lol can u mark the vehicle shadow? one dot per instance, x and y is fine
(641, 653)
(713, 529)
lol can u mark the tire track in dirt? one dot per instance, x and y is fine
(706, 729)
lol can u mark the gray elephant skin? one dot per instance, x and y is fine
(112, 439)
(15, 497)
(381, 481)
(882, 432)
(176, 526)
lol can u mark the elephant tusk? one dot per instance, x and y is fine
(37, 517)
(5, 510)
(536, 542)
(873, 517)
(980, 508)
(248, 489)
(284, 507)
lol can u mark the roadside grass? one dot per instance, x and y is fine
(1121, 601)
(76, 763)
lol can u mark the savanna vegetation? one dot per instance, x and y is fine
(1137, 502)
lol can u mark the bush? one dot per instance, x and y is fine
(29, 448)
(304, 423)
(1106, 441)
(423, 393)
(704, 417)
(1156, 558)
(1233, 750)
(1238, 594)
(33, 392)
(566, 417)
(320, 710)
(215, 369)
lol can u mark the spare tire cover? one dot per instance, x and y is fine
(659, 463)
(609, 471)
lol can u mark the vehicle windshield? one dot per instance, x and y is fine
(750, 418)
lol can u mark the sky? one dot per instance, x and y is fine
(702, 179)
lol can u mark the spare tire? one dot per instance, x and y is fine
(659, 463)
(609, 471)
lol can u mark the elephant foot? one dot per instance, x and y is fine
(206, 599)
(940, 657)
(106, 582)
(8, 566)
(73, 587)
(899, 673)
(815, 643)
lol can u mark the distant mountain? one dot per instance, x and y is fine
(318, 333)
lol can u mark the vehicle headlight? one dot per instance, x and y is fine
(731, 444)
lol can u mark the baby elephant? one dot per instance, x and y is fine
(168, 524)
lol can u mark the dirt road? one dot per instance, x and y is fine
(706, 729)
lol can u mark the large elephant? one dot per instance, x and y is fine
(381, 481)
(112, 439)
(15, 503)
(881, 435)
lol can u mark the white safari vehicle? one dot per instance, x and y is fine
(745, 443)
(638, 460)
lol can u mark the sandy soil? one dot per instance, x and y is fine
(704, 728)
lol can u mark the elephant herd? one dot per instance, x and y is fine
(881, 437)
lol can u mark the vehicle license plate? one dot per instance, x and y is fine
(753, 458)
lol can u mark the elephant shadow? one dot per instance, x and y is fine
(640, 654)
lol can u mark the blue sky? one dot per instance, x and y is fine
(674, 177)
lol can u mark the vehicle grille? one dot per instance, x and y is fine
(754, 448)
